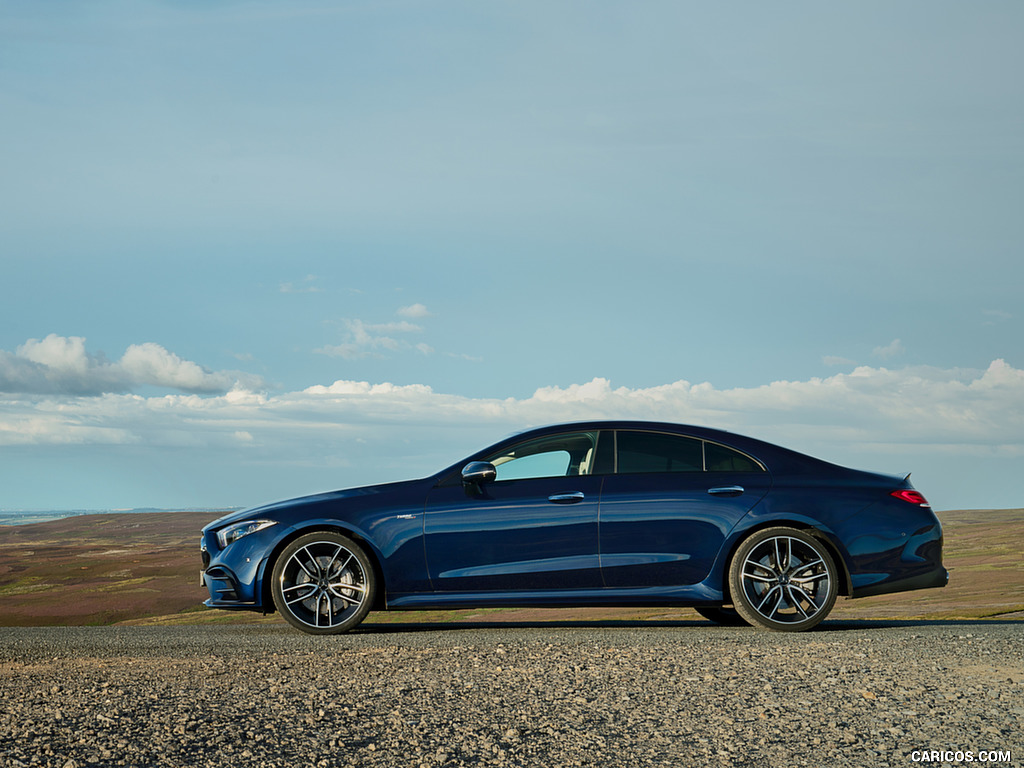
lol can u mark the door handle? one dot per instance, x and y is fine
(726, 490)
(567, 498)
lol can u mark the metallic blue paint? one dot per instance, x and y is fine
(510, 536)
(669, 513)
(592, 539)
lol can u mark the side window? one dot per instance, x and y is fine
(554, 456)
(654, 452)
(546, 464)
(722, 459)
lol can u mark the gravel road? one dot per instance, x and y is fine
(551, 695)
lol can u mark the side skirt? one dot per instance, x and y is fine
(692, 594)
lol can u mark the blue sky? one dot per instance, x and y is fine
(257, 249)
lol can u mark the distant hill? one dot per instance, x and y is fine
(144, 568)
(100, 568)
(30, 516)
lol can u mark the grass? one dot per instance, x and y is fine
(143, 569)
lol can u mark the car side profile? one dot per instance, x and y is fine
(609, 513)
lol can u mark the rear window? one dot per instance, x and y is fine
(644, 452)
(718, 458)
(653, 452)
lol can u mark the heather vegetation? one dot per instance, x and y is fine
(144, 569)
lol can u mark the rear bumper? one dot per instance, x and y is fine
(937, 577)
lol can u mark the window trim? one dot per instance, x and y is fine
(597, 439)
(703, 452)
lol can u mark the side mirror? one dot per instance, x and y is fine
(477, 473)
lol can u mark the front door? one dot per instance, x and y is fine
(534, 527)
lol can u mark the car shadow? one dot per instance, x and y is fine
(843, 625)
(827, 626)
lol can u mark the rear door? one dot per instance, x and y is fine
(668, 506)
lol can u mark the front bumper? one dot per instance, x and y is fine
(224, 589)
(232, 575)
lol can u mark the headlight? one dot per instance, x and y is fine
(235, 531)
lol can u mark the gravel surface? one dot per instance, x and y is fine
(851, 694)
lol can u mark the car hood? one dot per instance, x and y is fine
(265, 510)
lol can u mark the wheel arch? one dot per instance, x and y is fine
(845, 580)
(266, 595)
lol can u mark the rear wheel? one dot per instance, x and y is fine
(323, 583)
(783, 579)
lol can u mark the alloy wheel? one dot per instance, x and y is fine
(783, 579)
(323, 584)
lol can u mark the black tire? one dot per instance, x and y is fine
(783, 579)
(323, 583)
(725, 615)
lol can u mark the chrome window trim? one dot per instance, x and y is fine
(703, 449)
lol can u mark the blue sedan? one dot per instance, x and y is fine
(610, 513)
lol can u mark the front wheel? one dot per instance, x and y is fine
(323, 583)
(783, 579)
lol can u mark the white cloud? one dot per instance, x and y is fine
(152, 364)
(414, 311)
(57, 353)
(357, 432)
(364, 339)
(919, 406)
(61, 365)
(400, 326)
(890, 350)
(361, 340)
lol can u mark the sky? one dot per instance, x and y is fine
(253, 250)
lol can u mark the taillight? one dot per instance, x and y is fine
(911, 497)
